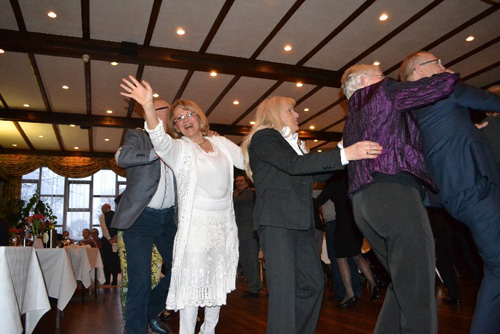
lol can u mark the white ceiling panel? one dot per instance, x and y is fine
(69, 18)
(106, 88)
(10, 136)
(195, 17)
(247, 24)
(478, 61)
(491, 76)
(365, 31)
(74, 137)
(317, 102)
(21, 87)
(101, 134)
(328, 118)
(33, 131)
(164, 81)
(120, 20)
(246, 91)
(8, 20)
(57, 72)
(203, 88)
(313, 21)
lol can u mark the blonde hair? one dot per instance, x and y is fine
(409, 64)
(269, 114)
(351, 79)
(187, 105)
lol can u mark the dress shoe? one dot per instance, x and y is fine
(164, 316)
(348, 303)
(157, 326)
(249, 294)
(375, 294)
(452, 301)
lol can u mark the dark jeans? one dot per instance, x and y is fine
(152, 227)
(337, 279)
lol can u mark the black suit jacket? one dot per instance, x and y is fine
(284, 180)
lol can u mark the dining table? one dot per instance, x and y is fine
(22, 290)
(87, 264)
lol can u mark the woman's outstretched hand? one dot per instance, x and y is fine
(363, 150)
(139, 91)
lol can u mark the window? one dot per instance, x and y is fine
(75, 202)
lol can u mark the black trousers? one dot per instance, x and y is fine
(394, 221)
(294, 278)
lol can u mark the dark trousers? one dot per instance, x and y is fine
(249, 259)
(152, 227)
(110, 260)
(337, 279)
(294, 280)
(479, 209)
(395, 223)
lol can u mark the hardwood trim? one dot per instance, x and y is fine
(230, 85)
(322, 111)
(256, 103)
(153, 18)
(23, 134)
(481, 71)
(85, 8)
(473, 52)
(215, 27)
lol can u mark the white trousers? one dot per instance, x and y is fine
(188, 315)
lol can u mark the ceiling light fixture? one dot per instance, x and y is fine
(109, 111)
(376, 63)
(40, 136)
(76, 147)
(306, 109)
(114, 63)
(299, 84)
(72, 125)
(470, 38)
(155, 95)
(213, 74)
(287, 47)
(383, 17)
(26, 105)
(236, 102)
(2, 51)
(15, 145)
(315, 140)
(180, 31)
(106, 139)
(252, 122)
(312, 127)
(319, 151)
(65, 87)
(52, 15)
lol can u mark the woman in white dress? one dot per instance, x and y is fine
(205, 253)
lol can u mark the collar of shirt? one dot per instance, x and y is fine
(292, 139)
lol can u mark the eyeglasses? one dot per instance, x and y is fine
(181, 118)
(437, 61)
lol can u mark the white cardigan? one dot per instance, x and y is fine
(180, 156)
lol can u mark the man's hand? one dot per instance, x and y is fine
(212, 133)
(482, 125)
(363, 150)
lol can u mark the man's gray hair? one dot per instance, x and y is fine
(351, 79)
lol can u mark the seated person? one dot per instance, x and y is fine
(87, 239)
(94, 234)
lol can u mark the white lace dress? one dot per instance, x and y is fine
(206, 244)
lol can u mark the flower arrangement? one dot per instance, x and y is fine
(37, 217)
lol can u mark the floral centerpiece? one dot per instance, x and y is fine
(37, 218)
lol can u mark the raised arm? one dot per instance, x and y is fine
(143, 94)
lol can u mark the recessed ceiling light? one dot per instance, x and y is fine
(383, 17)
(376, 63)
(470, 38)
(213, 74)
(287, 47)
(312, 127)
(15, 145)
(315, 140)
(2, 51)
(236, 102)
(65, 87)
(76, 147)
(252, 122)
(319, 151)
(114, 63)
(52, 15)
(306, 109)
(72, 125)
(40, 136)
(155, 95)
(109, 111)
(299, 84)
(106, 139)
(26, 105)
(180, 31)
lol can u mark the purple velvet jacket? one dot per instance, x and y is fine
(377, 113)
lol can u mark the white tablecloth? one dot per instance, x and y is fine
(58, 273)
(22, 290)
(85, 261)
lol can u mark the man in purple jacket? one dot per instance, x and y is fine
(387, 191)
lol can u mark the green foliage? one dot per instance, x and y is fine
(36, 206)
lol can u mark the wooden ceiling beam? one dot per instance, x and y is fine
(31, 116)
(75, 47)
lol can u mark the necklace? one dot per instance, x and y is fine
(203, 142)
